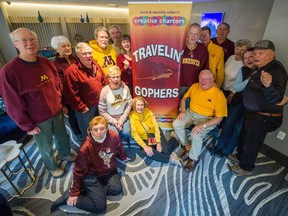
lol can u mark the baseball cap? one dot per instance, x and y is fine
(265, 44)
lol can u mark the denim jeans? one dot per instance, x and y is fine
(126, 131)
(53, 128)
(84, 119)
(231, 129)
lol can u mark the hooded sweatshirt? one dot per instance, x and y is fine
(105, 58)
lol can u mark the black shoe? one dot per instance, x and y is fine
(60, 201)
(219, 153)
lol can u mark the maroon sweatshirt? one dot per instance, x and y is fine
(97, 159)
(31, 91)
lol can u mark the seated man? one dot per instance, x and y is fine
(95, 169)
(206, 109)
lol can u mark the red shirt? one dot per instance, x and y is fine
(62, 64)
(126, 74)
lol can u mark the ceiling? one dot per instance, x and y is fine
(99, 3)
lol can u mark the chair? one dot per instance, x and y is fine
(9, 151)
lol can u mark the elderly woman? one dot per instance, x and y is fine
(124, 60)
(232, 66)
(149, 136)
(63, 60)
(115, 103)
(83, 82)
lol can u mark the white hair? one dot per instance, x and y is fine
(57, 41)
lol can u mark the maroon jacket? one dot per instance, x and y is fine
(62, 64)
(82, 85)
(97, 159)
(31, 91)
(126, 74)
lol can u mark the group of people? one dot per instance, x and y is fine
(240, 86)
(250, 86)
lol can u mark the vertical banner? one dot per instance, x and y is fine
(158, 33)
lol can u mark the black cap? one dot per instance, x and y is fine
(265, 44)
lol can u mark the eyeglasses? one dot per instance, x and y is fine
(86, 54)
(31, 40)
(114, 77)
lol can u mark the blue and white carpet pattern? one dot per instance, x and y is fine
(153, 188)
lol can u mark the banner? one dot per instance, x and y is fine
(158, 33)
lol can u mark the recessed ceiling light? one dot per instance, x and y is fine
(113, 5)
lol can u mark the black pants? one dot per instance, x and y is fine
(95, 190)
(167, 149)
(252, 136)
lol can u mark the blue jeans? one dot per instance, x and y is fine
(53, 128)
(126, 131)
(96, 188)
(231, 129)
(84, 119)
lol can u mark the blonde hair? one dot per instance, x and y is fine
(80, 46)
(97, 120)
(113, 69)
(139, 98)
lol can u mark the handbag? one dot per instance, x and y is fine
(151, 137)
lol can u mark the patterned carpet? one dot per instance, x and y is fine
(153, 188)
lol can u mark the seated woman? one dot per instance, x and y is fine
(149, 136)
(95, 169)
(115, 103)
(232, 125)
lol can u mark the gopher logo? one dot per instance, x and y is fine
(106, 156)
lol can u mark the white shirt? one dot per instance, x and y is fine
(231, 70)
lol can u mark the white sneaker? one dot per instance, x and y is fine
(57, 173)
(70, 157)
(174, 159)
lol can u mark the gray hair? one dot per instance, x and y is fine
(100, 28)
(80, 46)
(243, 42)
(57, 41)
(115, 26)
(12, 34)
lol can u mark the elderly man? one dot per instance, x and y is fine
(31, 88)
(195, 58)
(222, 32)
(83, 82)
(216, 56)
(206, 109)
(261, 96)
(103, 52)
(115, 34)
